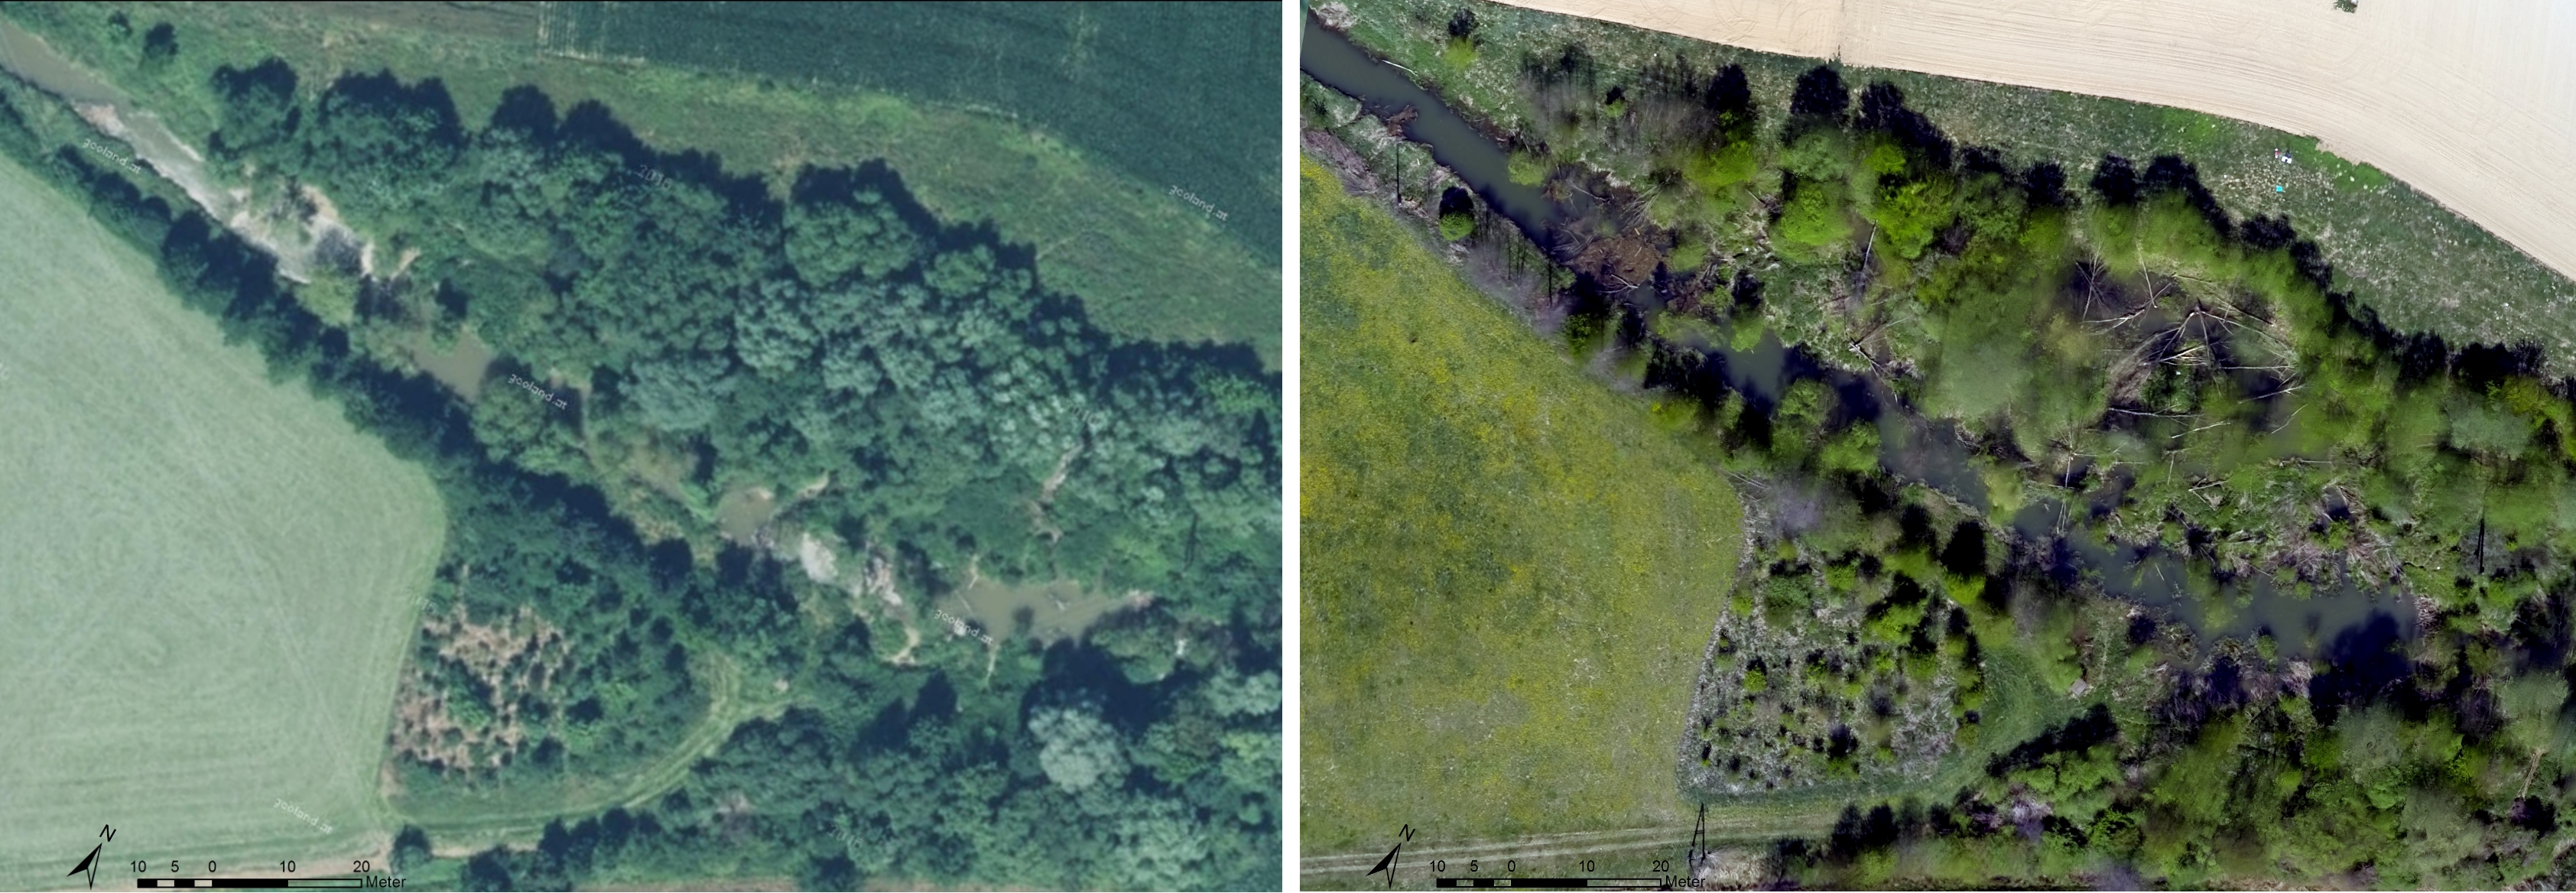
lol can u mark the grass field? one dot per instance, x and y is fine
(2018, 706)
(1184, 95)
(2422, 267)
(1147, 264)
(1510, 571)
(206, 582)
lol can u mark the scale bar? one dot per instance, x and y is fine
(250, 883)
(1554, 883)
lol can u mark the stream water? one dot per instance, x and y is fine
(2153, 579)
(27, 56)
(1386, 91)
(1911, 446)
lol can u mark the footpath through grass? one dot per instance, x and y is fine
(207, 579)
(463, 825)
(1510, 572)
(2018, 707)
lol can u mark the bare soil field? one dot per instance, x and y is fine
(2465, 102)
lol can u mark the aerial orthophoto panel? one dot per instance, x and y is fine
(1918, 444)
(640, 446)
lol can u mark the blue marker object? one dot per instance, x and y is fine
(2280, 189)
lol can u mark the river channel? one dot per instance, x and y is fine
(1912, 447)
(113, 113)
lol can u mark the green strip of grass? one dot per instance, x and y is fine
(1510, 570)
(1145, 263)
(1179, 94)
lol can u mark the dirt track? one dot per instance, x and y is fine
(1737, 825)
(1534, 847)
(2466, 102)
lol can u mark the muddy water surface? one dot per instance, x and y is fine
(1047, 612)
(27, 56)
(462, 366)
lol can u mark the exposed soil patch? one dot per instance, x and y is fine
(1621, 261)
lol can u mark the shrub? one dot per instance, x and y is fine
(2490, 431)
(1713, 171)
(1456, 225)
(1460, 54)
(1855, 450)
(1909, 215)
(1819, 155)
(1812, 227)
(1080, 748)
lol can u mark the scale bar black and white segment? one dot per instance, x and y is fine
(250, 883)
(1554, 883)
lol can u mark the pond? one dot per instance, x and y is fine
(1046, 611)
(462, 366)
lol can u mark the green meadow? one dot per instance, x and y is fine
(206, 585)
(1510, 571)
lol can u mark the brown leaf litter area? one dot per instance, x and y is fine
(513, 659)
